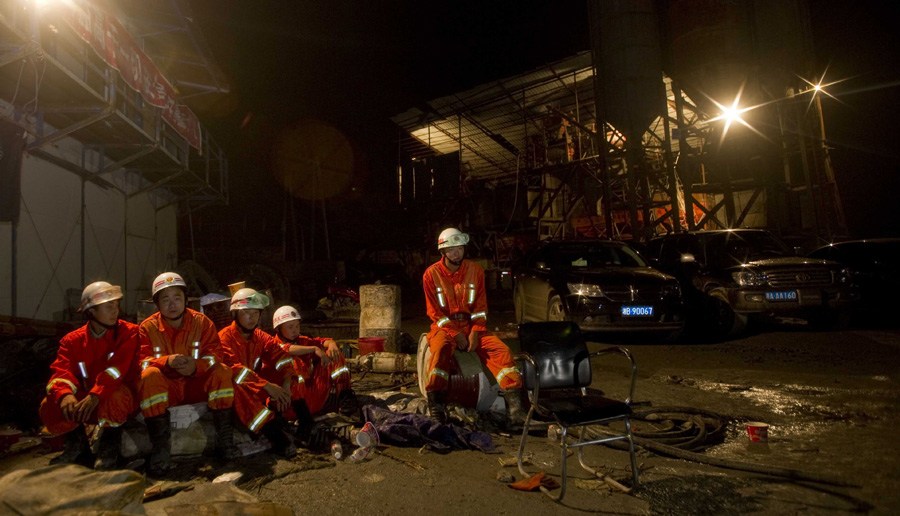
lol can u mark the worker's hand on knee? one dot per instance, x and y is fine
(474, 340)
(85, 408)
(67, 405)
(280, 397)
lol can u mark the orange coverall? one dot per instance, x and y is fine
(161, 386)
(456, 302)
(104, 366)
(315, 381)
(253, 364)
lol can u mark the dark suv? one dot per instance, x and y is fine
(729, 276)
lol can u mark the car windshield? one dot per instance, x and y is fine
(742, 247)
(575, 257)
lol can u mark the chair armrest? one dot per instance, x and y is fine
(537, 374)
(621, 351)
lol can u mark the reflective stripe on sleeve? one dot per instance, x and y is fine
(83, 370)
(112, 371)
(442, 321)
(479, 315)
(283, 362)
(157, 352)
(61, 380)
(242, 375)
(440, 297)
(211, 360)
(471, 293)
(196, 351)
(256, 363)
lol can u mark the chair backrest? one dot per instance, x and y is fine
(559, 350)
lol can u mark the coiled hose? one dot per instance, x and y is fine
(681, 432)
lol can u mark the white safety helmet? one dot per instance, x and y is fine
(249, 299)
(166, 280)
(97, 293)
(452, 237)
(284, 314)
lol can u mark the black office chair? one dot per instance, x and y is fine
(557, 373)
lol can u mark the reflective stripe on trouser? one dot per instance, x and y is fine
(114, 410)
(318, 385)
(250, 407)
(157, 392)
(491, 351)
(441, 363)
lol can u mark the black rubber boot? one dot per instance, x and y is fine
(108, 448)
(305, 422)
(159, 428)
(225, 447)
(77, 449)
(437, 408)
(276, 431)
(515, 408)
(348, 405)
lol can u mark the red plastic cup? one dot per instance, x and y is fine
(758, 432)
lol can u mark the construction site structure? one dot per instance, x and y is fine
(633, 138)
(102, 149)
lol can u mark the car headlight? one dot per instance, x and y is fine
(749, 278)
(843, 276)
(585, 289)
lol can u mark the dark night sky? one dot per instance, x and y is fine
(355, 64)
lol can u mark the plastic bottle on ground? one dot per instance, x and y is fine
(337, 451)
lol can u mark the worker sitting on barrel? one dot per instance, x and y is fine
(456, 303)
(88, 380)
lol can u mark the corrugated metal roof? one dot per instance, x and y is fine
(491, 124)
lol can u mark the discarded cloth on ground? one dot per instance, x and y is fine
(401, 429)
(534, 482)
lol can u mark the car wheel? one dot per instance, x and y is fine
(555, 310)
(724, 322)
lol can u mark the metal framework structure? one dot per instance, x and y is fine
(537, 131)
(56, 87)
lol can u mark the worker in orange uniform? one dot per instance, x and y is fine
(456, 303)
(263, 373)
(323, 373)
(181, 363)
(88, 380)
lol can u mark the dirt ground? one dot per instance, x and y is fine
(830, 399)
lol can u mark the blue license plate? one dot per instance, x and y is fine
(784, 295)
(637, 311)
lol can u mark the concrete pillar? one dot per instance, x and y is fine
(379, 316)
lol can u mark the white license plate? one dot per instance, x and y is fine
(782, 295)
(637, 311)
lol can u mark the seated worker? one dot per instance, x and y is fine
(263, 373)
(181, 363)
(323, 374)
(88, 379)
(456, 303)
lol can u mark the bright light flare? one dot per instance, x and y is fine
(733, 114)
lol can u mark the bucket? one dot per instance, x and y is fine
(370, 345)
(758, 432)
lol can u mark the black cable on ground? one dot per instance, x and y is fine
(699, 430)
